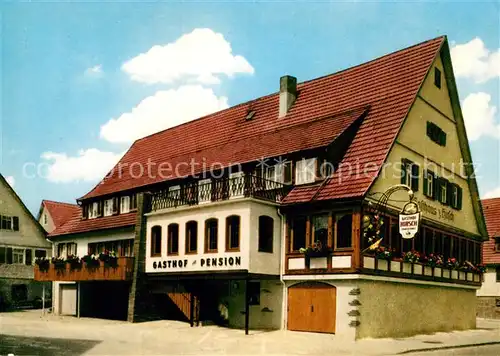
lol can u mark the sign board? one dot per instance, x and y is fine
(195, 263)
(408, 225)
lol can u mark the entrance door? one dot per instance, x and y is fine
(312, 307)
(67, 304)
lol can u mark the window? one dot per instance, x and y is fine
(298, 233)
(305, 171)
(108, 207)
(191, 237)
(9, 223)
(456, 196)
(409, 174)
(93, 210)
(211, 235)
(429, 184)
(45, 219)
(125, 204)
(18, 255)
(343, 231)
(437, 77)
(156, 241)
(443, 193)
(253, 293)
(71, 249)
(436, 134)
(497, 244)
(123, 248)
(3, 255)
(498, 274)
(133, 201)
(280, 172)
(266, 232)
(61, 250)
(446, 246)
(233, 233)
(40, 253)
(173, 239)
(320, 229)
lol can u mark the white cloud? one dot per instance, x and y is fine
(164, 109)
(94, 71)
(479, 116)
(200, 57)
(495, 193)
(11, 181)
(88, 165)
(474, 61)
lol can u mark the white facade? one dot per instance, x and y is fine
(82, 242)
(490, 286)
(248, 257)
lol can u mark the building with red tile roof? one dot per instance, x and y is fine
(303, 184)
(53, 214)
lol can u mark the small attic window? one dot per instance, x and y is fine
(437, 77)
(250, 115)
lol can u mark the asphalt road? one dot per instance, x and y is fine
(489, 350)
(21, 345)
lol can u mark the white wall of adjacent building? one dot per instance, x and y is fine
(490, 287)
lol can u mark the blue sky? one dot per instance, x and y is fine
(64, 80)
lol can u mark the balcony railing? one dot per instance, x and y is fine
(226, 188)
(121, 272)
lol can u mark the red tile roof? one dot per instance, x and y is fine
(491, 210)
(60, 212)
(76, 225)
(387, 85)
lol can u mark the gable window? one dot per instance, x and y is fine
(173, 239)
(233, 233)
(211, 235)
(9, 223)
(125, 204)
(108, 207)
(18, 255)
(266, 232)
(299, 233)
(437, 77)
(436, 134)
(343, 231)
(443, 190)
(45, 219)
(320, 229)
(409, 174)
(156, 241)
(305, 171)
(497, 244)
(429, 184)
(191, 237)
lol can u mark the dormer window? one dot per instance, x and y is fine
(108, 207)
(125, 204)
(93, 210)
(305, 171)
(497, 244)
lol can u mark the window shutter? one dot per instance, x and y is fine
(414, 177)
(9, 255)
(403, 171)
(29, 253)
(15, 223)
(459, 200)
(426, 193)
(449, 192)
(2, 254)
(437, 188)
(133, 201)
(100, 208)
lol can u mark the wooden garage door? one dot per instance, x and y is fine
(312, 307)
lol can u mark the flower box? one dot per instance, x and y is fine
(427, 271)
(396, 266)
(454, 274)
(446, 273)
(470, 276)
(437, 271)
(382, 265)
(417, 269)
(461, 275)
(406, 267)
(369, 262)
(477, 277)
(318, 262)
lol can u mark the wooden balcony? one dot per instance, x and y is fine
(122, 272)
(335, 262)
(226, 188)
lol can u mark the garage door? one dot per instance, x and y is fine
(68, 299)
(312, 307)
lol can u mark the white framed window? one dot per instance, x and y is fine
(430, 184)
(108, 207)
(93, 210)
(71, 249)
(444, 192)
(125, 204)
(6, 223)
(45, 219)
(204, 190)
(18, 255)
(305, 171)
(407, 175)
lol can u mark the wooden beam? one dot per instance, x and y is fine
(356, 238)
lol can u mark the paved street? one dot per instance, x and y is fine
(29, 333)
(491, 350)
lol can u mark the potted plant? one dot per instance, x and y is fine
(383, 256)
(410, 258)
(59, 263)
(75, 263)
(109, 258)
(43, 263)
(91, 261)
(316, 250)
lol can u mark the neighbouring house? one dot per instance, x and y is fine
(489, 294)
(261, 216)
(22, 239)
(53, 214)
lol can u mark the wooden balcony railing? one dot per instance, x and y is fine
(122, 272)
(195, 193)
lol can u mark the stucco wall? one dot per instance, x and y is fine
(49, 226)
(490, 287)
(401, 309)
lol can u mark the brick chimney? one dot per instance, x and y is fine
(288, 94)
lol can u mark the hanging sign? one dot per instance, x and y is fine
(408, 225)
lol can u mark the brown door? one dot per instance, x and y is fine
(312, 307)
